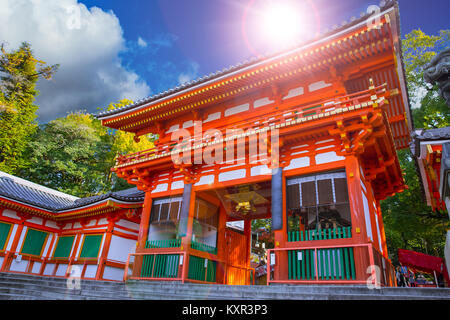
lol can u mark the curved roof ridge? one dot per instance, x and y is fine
(248, 62)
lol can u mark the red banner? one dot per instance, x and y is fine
(422, 262)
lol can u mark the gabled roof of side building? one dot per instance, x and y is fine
(29, 193)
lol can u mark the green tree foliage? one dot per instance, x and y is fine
(19, 72)
(75, 154)
(409, 222)
(418, 50)
(71, 154)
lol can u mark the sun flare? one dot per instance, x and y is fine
(282, 23)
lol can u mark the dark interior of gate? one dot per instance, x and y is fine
(239, 205)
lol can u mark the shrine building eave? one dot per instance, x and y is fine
(359, 125)
(30, 198)
(363, 40)
(427, 149)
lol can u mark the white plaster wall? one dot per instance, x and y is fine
(128, 224)
(11, 237)
(205, 180)
(177, 185)
(262, 102)
(22, 238)
(101, 246)
(62, 269)
(47, 245)
(19, 265)
(36, 267)
(237, 109)
(298, 163)
(367, 216)
(112, 273)
(48, 270)
(36, 220)
(161, 187)
(51, 224)
(80, 245)
(260, 170)
(212, 117)
(232, 175)
(294, 93)
(328, 157)
(10, 214)
(318, 85)
(90, 272)
(120, 248)
(379, 234)
(102, 221)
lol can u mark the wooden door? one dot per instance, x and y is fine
(237, 258)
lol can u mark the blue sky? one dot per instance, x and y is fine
(203, 36)
(136, 48)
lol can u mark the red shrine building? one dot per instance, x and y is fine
(431, 149)
(306, 137)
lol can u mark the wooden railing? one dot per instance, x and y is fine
(155, 266)
(343, 264)
(201, 269)
(203, 247)
(30, 264)
(169, 243)
(323, 234)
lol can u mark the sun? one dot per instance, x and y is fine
(283, 23)
(273, 25)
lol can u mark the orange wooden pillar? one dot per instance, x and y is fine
(222, 246)
(382, 232)
(373, 221)
(14, 244)
(186, 224)
(145, 220)
(248, 236)
(49, 253)
(105, 250)
(359, 233)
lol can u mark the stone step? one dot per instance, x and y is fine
(299, 289)
(47, 293)
(278, 295)
(19, 286)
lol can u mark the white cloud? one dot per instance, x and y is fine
(142, 43)
(190, 74)
(85, 42)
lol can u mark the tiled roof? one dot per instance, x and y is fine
(432, 134)
(187, 85)
(25, 193)
(45, 198)
(427, 135)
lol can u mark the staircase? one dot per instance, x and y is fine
(29, 287)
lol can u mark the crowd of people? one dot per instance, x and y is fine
(407, 278)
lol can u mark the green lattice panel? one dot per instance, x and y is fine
(5, 228)
(34, 242)
(64, 247)
(91, 246)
